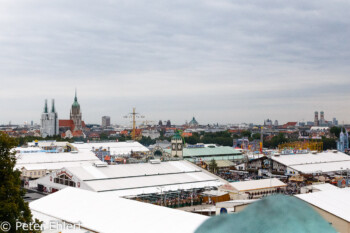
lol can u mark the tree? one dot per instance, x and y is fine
(12, 206)
(213, 166)
(256, 136)
(246, 133)
(335, 131)
(329, 143)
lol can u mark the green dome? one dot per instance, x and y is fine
(75, 104)
(273, 214)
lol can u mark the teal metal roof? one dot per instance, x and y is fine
(208, 151)
(274, 214)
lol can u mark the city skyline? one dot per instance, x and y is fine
(218, 61)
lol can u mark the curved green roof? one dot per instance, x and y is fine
(75, 103)
(177, 136)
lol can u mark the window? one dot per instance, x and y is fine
(65, 180)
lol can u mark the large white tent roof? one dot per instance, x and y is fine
(54, 161)
(103, 212)
(136, 179)
(336, 202)
(116, 148)
(257, 184)
(302, 159)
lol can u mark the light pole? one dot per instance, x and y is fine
(161, 194)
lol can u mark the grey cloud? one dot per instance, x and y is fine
(175, 58)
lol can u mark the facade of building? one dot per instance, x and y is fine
(253, 189)
(106, 121)
(49, 121)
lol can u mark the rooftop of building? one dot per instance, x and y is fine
(336, 201)
(208, 151)
(254, 185)
(72, 205)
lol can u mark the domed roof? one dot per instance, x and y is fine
(273, 214)
(193, 122)
(75, 103)
(176, 136)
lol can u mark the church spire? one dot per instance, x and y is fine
(45, 108)
(53, 106)
(76, 98)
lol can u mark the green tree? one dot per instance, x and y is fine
(246, 133)
(256, 136)
(12, 206)
(213, 166)
(335, 131)
(329, 143)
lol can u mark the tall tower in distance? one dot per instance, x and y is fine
(322, 120)
(106, 121)
(75, 114)
(49, 121)
(316, 121)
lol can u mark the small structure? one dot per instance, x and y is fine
(253, 189)
(215, 196)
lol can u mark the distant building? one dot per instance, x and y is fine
(276, 123)
(168, 123)
(268, 122)
(193, 122)
(343, 142)
(49, 121)
(316, 121)
(106, 121)
(74, 126)
(335, 121)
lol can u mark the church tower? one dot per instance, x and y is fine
(177, 146)
(75, 114)
(49, 121)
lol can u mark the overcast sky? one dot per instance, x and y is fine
(221, 61)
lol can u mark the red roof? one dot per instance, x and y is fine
(186, 134)
(124, 132)
(77, 133)
(69, 123)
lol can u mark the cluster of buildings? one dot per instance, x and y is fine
(173, 180)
